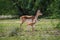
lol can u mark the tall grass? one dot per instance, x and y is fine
(44, 30)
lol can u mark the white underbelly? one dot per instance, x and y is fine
(28, 20)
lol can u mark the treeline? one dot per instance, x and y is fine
(49, 8)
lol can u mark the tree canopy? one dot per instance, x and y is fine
(49, 8)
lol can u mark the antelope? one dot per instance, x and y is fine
(32, 18)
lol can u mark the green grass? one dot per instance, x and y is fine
(45, 29)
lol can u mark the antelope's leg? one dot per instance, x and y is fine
(28, 27)
(32, 27)
(21, 22)
(32, 24)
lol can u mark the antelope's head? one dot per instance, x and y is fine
(39, 13)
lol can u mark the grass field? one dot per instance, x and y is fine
(45, 29)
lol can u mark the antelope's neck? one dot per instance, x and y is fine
(36, 16)
(35, 19)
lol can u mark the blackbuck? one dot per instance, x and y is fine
(31, 19)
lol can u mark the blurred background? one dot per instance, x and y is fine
(47, 27)
(17, 8)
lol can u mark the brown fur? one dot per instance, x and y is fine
(33, 18)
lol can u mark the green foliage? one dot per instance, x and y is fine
(7, 8)
(49, 8)
(54, 9)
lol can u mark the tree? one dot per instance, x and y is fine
(49, 8)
